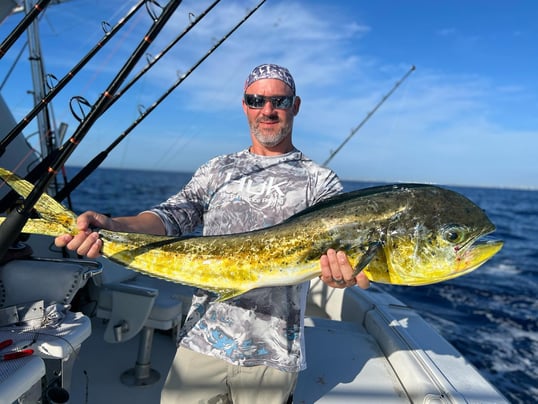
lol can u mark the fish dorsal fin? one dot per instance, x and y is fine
(360, 193)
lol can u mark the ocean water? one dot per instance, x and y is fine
(490, 315)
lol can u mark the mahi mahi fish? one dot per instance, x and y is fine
(403, 234)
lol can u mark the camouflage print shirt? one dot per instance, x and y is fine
(236, 193)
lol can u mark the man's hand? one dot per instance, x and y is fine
(85, 242)
(336, 271)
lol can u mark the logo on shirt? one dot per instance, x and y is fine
(268, 191)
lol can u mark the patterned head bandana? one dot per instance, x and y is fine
(270, 71)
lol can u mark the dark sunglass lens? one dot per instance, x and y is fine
(282, 102)
(254, 101)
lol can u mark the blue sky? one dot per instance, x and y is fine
(467, 115)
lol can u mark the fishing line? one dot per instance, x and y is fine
(54, 89)
(88, 169)
(12, 226)
(178, 145)
(13, 65)
(78, 105)
(21, 26)
(106, 62)
(192, 129)
(151, 61)
(156, 58)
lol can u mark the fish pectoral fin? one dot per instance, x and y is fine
(227, 294)
(367, 256)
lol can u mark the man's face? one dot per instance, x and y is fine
(271, 127)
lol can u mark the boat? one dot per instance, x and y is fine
(92, 331)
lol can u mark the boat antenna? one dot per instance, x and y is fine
(97, 160)
(369, 115)
(12, 226)
(55, 89)
(21, 26)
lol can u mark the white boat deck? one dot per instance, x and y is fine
(342, 368)
(97, 370)
(346, 362)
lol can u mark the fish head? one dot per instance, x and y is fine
(439, 235)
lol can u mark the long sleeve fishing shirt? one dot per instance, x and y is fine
(236, 193)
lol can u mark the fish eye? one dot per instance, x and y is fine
(453, 234)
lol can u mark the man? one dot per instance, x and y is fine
(248, 349)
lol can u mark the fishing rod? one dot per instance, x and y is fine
(38, 169)
(149, 65)
(12, 226)
(21, 26)
(369, 115)
(54, 90)
(97, 160)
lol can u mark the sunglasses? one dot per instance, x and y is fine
(278, 101)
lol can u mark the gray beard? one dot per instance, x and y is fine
(273, 139)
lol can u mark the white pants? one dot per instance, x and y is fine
(197, 378)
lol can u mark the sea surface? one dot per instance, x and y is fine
(490, 315)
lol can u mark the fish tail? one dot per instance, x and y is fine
(54, 219)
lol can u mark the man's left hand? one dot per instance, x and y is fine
(336, 271)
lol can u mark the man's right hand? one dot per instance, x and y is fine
(86, 241)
